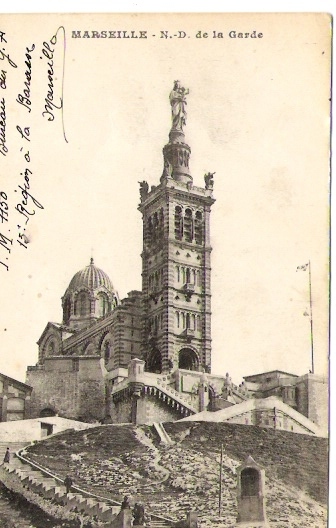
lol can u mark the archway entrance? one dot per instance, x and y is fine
(188, 359)
(154, 361)
(47, 412)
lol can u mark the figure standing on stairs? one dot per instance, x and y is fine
(68, 483)
(7, 456)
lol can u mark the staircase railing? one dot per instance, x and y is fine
(149, 381)
(111, 502)
(48, 473)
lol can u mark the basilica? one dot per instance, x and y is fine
(147, 358)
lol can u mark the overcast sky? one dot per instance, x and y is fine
(257, 116)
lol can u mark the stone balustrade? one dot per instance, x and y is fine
(152, 381)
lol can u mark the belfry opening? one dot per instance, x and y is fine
(188, 359)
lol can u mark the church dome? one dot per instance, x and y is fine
(89, 296)
(91, 278)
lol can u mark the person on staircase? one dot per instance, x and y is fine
(68, 484)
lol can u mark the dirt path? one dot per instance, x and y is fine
(146, 441)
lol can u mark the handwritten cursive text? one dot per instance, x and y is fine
(24, 97)
(3, 146)
(52, 101)
(25, 206)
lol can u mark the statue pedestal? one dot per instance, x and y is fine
(176, 136)
(177, 154)
(124, 519)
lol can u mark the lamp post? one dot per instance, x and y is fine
(310, 314)
(220, 482)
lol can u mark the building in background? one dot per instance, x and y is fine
(307, 394)
(14, 399)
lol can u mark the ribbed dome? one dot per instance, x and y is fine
(90, 277)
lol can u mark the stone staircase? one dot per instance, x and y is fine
(51, 487)
(158, 523)
(163, 435)
(40, 481)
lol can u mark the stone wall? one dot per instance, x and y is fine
(91, 400)
(14, 399)
(57, 392)
(29, 430)
(70, 387)
(245, 419)
(144, 410)
(312, 399)
(318, 410)
(150, 409)
(121, 411)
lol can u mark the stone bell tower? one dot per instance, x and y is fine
(176, 257)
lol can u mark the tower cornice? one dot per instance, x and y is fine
(178, 190)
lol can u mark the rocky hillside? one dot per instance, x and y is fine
(295, 459)
(172, 479)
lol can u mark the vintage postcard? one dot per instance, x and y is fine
(164, 269)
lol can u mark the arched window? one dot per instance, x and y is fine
(155, 226)
(188, 275)
(51, 348)
(178, 223)
(90, 350)
(188, 225)
(82, 304)
(199, 228)
(150, 228)
(161, 223)
(178, 319)
(103, 304)
(107, 351)
(66, 311)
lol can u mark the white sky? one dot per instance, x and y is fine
(257, 116)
